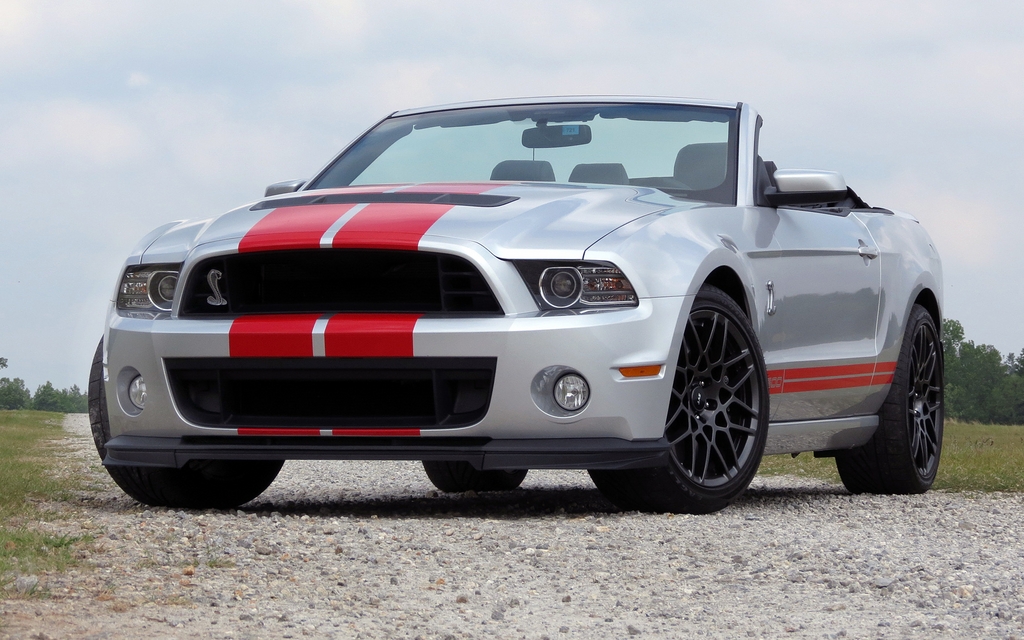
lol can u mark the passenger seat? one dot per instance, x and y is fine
(600, 173)
(701, 166)
(524, 171)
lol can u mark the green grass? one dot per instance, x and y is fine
(27, 444)
(975, 457)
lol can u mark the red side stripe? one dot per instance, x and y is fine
(389, 225)
(277, 336)
(375, 432)
(829, 372)
(826, 384)
(246, 431)
(825, 378)
(370, 335)
(292, 228)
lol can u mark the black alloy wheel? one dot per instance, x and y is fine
(713, 415)
(924, 400)
(903, 455)
(717, 419)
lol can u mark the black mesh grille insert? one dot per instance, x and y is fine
(337, 280)
(332, 392)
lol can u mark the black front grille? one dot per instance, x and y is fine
(301, 392)
(337, 280)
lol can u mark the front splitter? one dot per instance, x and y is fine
(481, 453)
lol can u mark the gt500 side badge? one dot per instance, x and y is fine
(213, 279)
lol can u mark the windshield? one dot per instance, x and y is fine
(685, 151)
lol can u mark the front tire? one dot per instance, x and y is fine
(902, 456)
(458, 476)
(717, 419)
(200, 484)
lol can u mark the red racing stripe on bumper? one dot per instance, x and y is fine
(389, 225)
(370, 335)
(257, 431)
(292, 228)
(277, 336)
(360, 433)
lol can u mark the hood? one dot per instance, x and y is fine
(536, 220)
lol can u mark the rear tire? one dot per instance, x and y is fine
(200, 484)
(903, 455)
(458, 476)
(717, 418)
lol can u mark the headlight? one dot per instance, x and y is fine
(148, 288)
(577, 285)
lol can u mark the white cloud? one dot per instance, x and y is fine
(138, 79)
(57, 134)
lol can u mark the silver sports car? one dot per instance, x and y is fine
(618, 285)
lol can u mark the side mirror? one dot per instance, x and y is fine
(288, 186)
(806, 186)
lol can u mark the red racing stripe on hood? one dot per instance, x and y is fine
(292, 227)
(370, 335)
(389, 225)
(276, 336)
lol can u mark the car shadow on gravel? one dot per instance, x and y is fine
(496, 504)
(519, 503)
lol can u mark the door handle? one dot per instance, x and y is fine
(865, 251)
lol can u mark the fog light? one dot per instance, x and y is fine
(571, 392)
(137, 392)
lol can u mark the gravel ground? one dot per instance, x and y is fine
(369, 550)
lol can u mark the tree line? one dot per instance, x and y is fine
(15, 395)
(981, 385)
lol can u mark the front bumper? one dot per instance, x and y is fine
(481, 453)
(516, 431)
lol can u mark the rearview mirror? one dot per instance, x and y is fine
(806, 186)
(561, 135)
(288, 186)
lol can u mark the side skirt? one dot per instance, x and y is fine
(819, 435)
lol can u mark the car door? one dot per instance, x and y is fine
(822, 286)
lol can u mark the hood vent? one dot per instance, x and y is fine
(455, 199)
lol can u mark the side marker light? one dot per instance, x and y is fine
(640, 372)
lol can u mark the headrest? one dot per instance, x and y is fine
(525, 170)
(701, 166)
(600, 173)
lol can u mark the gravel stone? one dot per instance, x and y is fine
(370, 550)
(25, 584)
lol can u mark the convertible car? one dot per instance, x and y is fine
(618, 285)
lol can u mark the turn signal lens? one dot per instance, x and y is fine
(640, 372)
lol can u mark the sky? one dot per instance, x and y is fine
(119, 116)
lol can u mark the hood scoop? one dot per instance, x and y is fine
(455, 199)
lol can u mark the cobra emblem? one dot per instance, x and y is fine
(213, 279)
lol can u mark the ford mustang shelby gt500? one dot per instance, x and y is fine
(618, 285)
